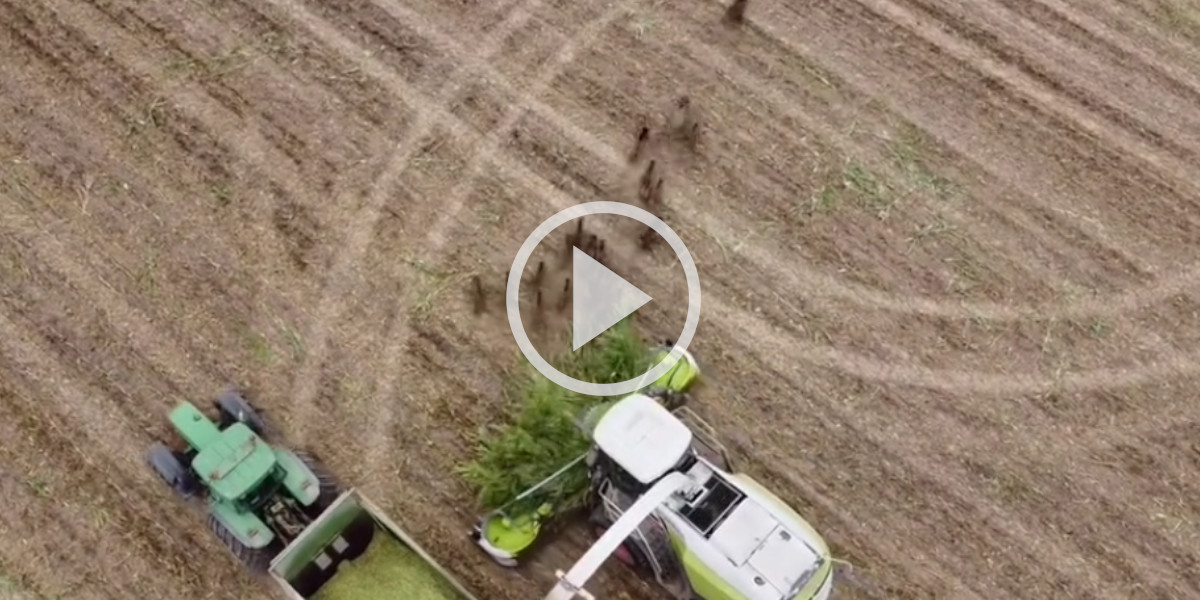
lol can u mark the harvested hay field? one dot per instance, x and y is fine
(948, 252)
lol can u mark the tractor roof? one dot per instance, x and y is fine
(642, 437)
(235, 462)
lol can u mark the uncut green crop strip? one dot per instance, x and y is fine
(387, 570)
(542, 435)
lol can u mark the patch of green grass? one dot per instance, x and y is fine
(543, 435)
(908, 156)
(222, 194)
(295, 343)
(38, 486)
(147, 275)
(434, 282)
(259, 348)
(823, 202)
(871, 192)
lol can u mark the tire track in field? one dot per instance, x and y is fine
(753, 39)
(870, 369)
(793, 372)
(947, 381)
(341, 278)
(731, 323)
(483, 156)
(547, 184)
(1177, 282)
(815, 280)
(1018, 216)
(1091, 231)
(189, 98)
(801, 275)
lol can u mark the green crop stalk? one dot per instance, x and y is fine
(543, 434)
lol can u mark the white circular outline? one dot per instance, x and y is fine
(511, 297)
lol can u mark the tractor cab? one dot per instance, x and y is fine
(259, 495)
(239, 467)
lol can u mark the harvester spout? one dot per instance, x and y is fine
(571, 584)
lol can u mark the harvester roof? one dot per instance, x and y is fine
(642, 437)
(236, 462)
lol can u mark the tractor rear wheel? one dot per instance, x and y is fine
(233, 408)
(172, 470)
(258, 560)
(328, 485)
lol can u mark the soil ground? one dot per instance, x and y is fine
(947, 252)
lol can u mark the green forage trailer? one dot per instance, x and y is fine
(283, 515)
(353, 551)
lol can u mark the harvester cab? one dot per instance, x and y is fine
(664, 500)
(258, 496)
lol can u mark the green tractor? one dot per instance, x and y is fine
(259, 496)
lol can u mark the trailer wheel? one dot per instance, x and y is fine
(257, 560)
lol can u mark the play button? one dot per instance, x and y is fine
(600, 299)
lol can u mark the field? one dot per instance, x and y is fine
(947, 252)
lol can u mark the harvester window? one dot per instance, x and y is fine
(715, 502)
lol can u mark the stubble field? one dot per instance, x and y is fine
(948, 256)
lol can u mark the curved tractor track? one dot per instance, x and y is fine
(950, 286)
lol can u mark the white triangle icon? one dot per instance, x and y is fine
(599, 298)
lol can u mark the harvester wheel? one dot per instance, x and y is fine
(172, 470)
(233, 408)
(329, 488)
(258, 560)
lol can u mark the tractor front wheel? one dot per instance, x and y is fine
(328, 485)
(233, 408)
(172, 470)
(258, 560)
